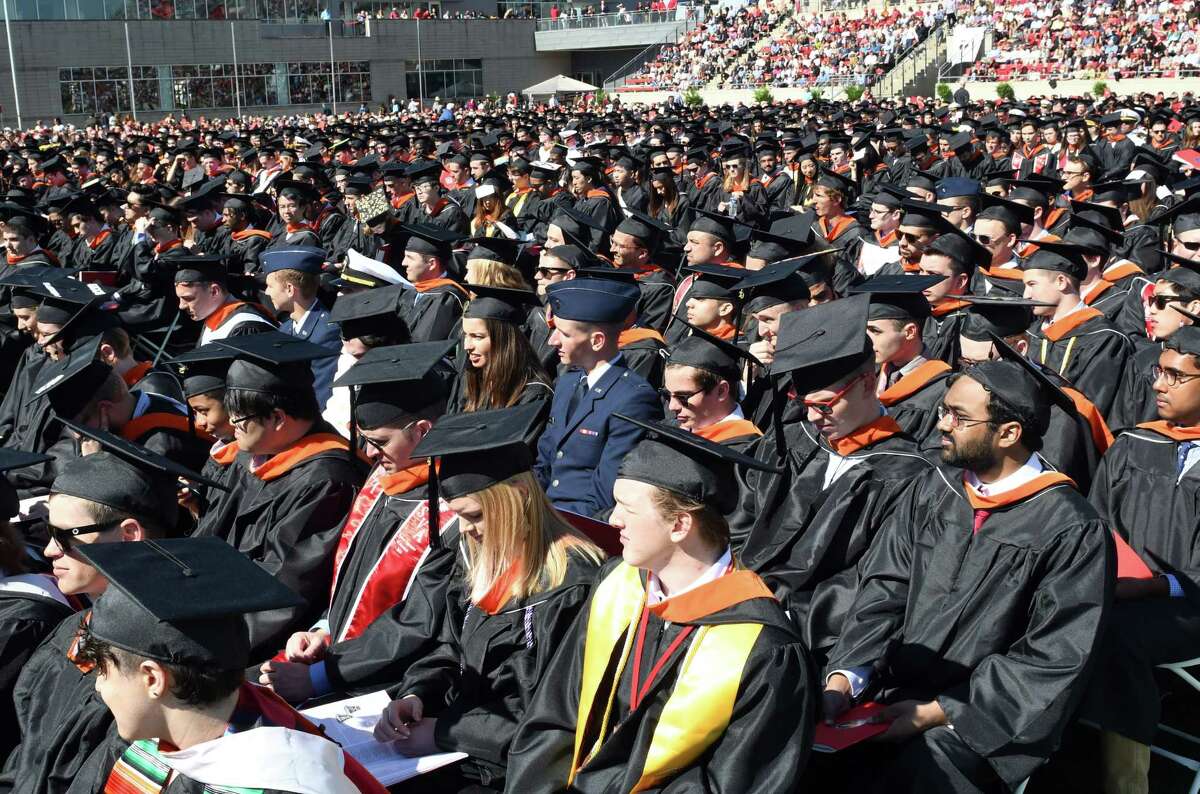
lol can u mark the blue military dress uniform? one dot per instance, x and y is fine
(584, 443)
(316, 327)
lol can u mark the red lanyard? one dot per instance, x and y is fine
(638, 693)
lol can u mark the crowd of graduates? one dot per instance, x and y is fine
(639, 451)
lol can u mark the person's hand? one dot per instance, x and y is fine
(141, 224)
(1135, 589)
(306, 647)
(289, 681)
(188, 500)
(911, 717)
(420, 739)
(723, 206)
(763, 350)
(836, 699)
(397, 719)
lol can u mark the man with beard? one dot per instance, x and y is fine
(972, 586)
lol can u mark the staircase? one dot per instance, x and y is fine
(916, 73)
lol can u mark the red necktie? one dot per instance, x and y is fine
(980, 517)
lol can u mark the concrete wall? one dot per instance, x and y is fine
(729, 96)
(506, 48)
(602, 38)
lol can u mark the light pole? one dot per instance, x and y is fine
(420, 69)
(129, 65)
(237, 90)
(332, 70)
(12, 65)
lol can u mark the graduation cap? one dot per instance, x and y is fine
(834, 181)
(1057, 256)
(923, 215)
(962, 249)
(28, 223)
(500, 303)
(577, 257)
(202, 370)
(479, 449)
(779, 282)
(10, 459)
(719, 226)
(431, 240)
(1087, 230)
(191, 269)
(424, 171)
(716, 281)
(181, 601)
(396, 381)
(997, 314)
(64, 298)
(497, 249)
(1186, 339)
(1117, 192)
(1048, 388)
(899, 297)
(686, 464)
(592, 300)
(271, 362)
(145, 460)
(712, 354)
(1012, 214)
(362, 272)
(1110, 216)
(640, 225)
(823, 344)
(1183, 217)
(786, 238)
(296, 190)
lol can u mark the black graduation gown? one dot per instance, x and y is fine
(486, 668)
(409, 630)
(26, 619)
(243, 249)
(212, 241)
(34, 429)
(538, 331)
(705, 194)
(634, 197)
(184, 447)
(65, 742)
(805, 540)
(654, 303)
(1111, 302)
(148, 301)
(601, 207)
(763, 749)
(449, 217)
(1131, 320)
(941, 333)
(1135, 403)
(432, 315)
(547, 207)
(218, 508)
(28, 369)
(1092, 356)
(106, 254)
(972, 618)
(913, 402)
(1139, 493)
(1142, 244)
(778, 189)
(290, 526)
(645, 355)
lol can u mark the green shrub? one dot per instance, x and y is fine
(763, 95)
(944, 92)
(816, 94)
(1099, 88)
(692, 98)
(1005, 91)
(854, 92)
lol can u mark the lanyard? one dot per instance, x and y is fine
(638, 693)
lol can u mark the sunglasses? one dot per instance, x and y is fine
(983, 239)
(63, 537)
(909, 237)
(1161, 302)
(1190, 246)
(825, 407)
(550, 272)
(682, 397)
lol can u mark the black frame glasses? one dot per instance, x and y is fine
(956, 419)
(1172, 377)
(62, 536)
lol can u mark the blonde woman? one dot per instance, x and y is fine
(524, 574)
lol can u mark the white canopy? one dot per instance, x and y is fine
(559, 84)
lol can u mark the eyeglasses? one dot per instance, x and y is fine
(825, 407)
(1073, 173)
(1161, 302)
(1193, 247)
(1172, 377)
(957, 420)
(62, 537)
(550, 272)
(681, 397)
(909, 237)
(240, 423)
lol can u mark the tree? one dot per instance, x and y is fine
(763, 95)
(1005, 91)
(944, 92)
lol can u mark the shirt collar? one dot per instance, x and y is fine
(655, 595)
(1022, 476)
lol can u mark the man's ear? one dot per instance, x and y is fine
(107, 354)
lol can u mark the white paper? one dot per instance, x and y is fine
(374, 267)
(351, 723)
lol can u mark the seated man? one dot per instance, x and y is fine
(977, 587)
(1146, 491)
(301, 478)
(293, 280)
(372, 629)
(107, 497)
(435, 304)
(714, 693)
(1072, 338)
(201, 285)
(701, 384)
(169, 642)
(713, 305)
(583, 444)
(805, 527)
(910, 383)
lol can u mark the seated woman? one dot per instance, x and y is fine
(500, 368)
(492, 215)
(525, 574)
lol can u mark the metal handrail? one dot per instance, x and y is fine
(907, 68)
(634, 63)
(568, 21)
